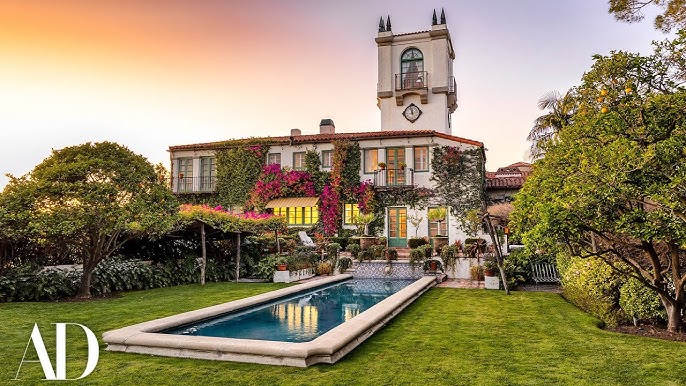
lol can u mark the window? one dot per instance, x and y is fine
(327, 158)
(299, 160)
(349, 213)
(208, 173)
(421, 159)
(412, 69)
(307, 215)
(184, 181)
(274, 158)
(371, 160)
(436, 228)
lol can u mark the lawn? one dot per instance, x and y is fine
(447, 337)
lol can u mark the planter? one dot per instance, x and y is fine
(491, 282)
(439, 243)
(281, 267)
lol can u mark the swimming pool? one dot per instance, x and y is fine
(151, 337)
(299, 318)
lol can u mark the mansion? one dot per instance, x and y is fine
(416, 95)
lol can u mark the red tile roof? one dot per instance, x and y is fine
(323, 138)
(505, 182)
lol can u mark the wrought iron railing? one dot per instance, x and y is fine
(411, 81)
(394, 177)
(203, 184)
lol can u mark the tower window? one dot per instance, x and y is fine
(412, 73)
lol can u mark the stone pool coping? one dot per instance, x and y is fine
(144, 338)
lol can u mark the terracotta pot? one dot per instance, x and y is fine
(281, 267)
(489, 272)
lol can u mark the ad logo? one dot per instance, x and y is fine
(60, 371)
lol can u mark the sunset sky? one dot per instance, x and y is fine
(153, 73)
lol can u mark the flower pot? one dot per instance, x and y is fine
(489, 272)
(366, 242)
(281, 267)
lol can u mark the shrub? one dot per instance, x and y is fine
(344, 263)
(518, 266)
(449, 255)
(383, 240)
(265, 267)
(391, 254)
(417, 255)
(427, 249)
(594, 287)
(640, 301)
(354, 250)
(342, 241)
(377, 252)
(476, 272)
(324, 268)
(417, 242)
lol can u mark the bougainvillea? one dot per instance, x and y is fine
(330, 209)
(275, 182)
(366, 197)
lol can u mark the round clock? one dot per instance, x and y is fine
(412, 112)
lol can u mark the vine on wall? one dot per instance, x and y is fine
(275, 182)
(459, 180)
(238, 169)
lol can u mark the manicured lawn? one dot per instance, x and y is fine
(447, 337)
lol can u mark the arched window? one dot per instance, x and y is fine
(412, 69)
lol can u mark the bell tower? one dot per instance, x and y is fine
(416, 88)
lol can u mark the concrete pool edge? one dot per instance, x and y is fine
(143, 338)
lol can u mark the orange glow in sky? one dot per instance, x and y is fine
(153, 73)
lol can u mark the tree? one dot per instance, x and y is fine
(560, 111)
(92, 197)
(613, 184)
(673, 12)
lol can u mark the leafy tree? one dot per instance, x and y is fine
(673, 12)
(91, 197)
(560, 111)
(612, 184)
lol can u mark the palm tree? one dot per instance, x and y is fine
(561, 109)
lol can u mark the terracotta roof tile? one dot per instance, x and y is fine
(319, 138)
(505, 183)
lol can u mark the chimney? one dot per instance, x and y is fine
(326, 126)
(295, 132)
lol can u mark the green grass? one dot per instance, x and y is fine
(447, 337)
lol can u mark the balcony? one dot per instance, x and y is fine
(185, 185)
(411, 81)
(394, 178)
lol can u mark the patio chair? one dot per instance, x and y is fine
(306, 240)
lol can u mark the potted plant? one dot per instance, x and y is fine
(345, 262)
(490, 279)
(382, 165)
(438, 215)
(281, 264)
(433, 265)
(402, 165)
(391, 254)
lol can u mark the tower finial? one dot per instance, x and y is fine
(434, 20)
(381, 26)
(442, 16)
(388, 23)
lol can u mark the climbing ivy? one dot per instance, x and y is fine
(238, 168)
(459, 180)
(313, 165)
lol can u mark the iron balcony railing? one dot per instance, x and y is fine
(386, 178)
(411, 81)
(203, 184)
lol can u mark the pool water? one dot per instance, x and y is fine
(301, 317)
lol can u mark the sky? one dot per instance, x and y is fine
(150, 74)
